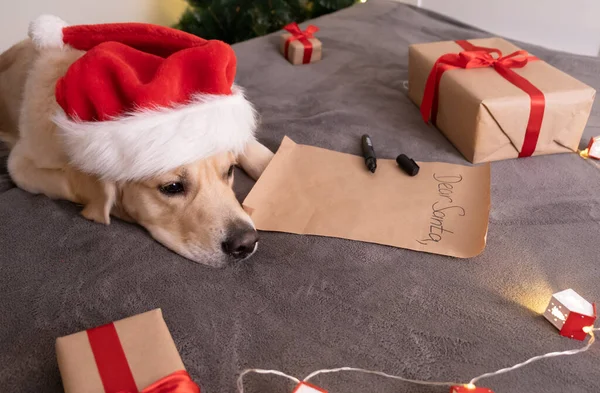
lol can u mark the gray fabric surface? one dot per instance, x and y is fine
(304, 303)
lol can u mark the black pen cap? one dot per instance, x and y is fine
(408, 165)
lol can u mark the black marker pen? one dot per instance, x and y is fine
(369, 153)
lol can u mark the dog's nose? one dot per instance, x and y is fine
(241, 241)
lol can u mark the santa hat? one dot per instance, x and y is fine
(144, 99)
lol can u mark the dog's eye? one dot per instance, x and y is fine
(172, 188)
(230, 171)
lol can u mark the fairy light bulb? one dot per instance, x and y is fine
(469, 388)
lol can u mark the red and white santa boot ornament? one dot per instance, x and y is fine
(144, 99)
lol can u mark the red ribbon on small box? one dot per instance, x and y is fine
(481, 57)
(114, 370)
(301, 36)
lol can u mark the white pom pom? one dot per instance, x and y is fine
(46, 31)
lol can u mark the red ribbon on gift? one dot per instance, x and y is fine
(114, 370)
(301, 36)
(481, 57)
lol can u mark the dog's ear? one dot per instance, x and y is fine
(255, 159)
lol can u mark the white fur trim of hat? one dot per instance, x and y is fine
(150, 142)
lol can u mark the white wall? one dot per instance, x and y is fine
(15, 15)
(567, 25)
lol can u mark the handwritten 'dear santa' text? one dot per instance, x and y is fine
(443, 208)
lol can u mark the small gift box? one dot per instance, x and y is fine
(300, 47)
(136, 354)
(494, 101)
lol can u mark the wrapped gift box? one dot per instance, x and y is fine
(489, 118)
(300, 47)
(136, 354)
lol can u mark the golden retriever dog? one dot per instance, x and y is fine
(191, 209)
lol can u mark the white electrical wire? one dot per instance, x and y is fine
(240, 380)
(536, 358)
(382, 374)
(240, 383)
(592, 339)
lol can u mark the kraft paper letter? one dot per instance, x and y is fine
(313, 191)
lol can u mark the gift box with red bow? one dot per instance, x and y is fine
(300, 46)
(135, 354)
(494, 101)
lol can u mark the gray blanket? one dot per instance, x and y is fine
(305, 303)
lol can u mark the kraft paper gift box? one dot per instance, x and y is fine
(135, 354)
(300, 47)
(495, 104)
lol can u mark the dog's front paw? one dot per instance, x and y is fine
(96, 213)
(255, 159)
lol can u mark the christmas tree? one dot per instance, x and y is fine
(239, 20)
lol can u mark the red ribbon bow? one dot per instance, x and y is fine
(301, 36)
(480, 57)
(114, 369)
(177, 382)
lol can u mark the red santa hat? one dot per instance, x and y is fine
(144, 99)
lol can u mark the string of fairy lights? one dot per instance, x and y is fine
(570, 313)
